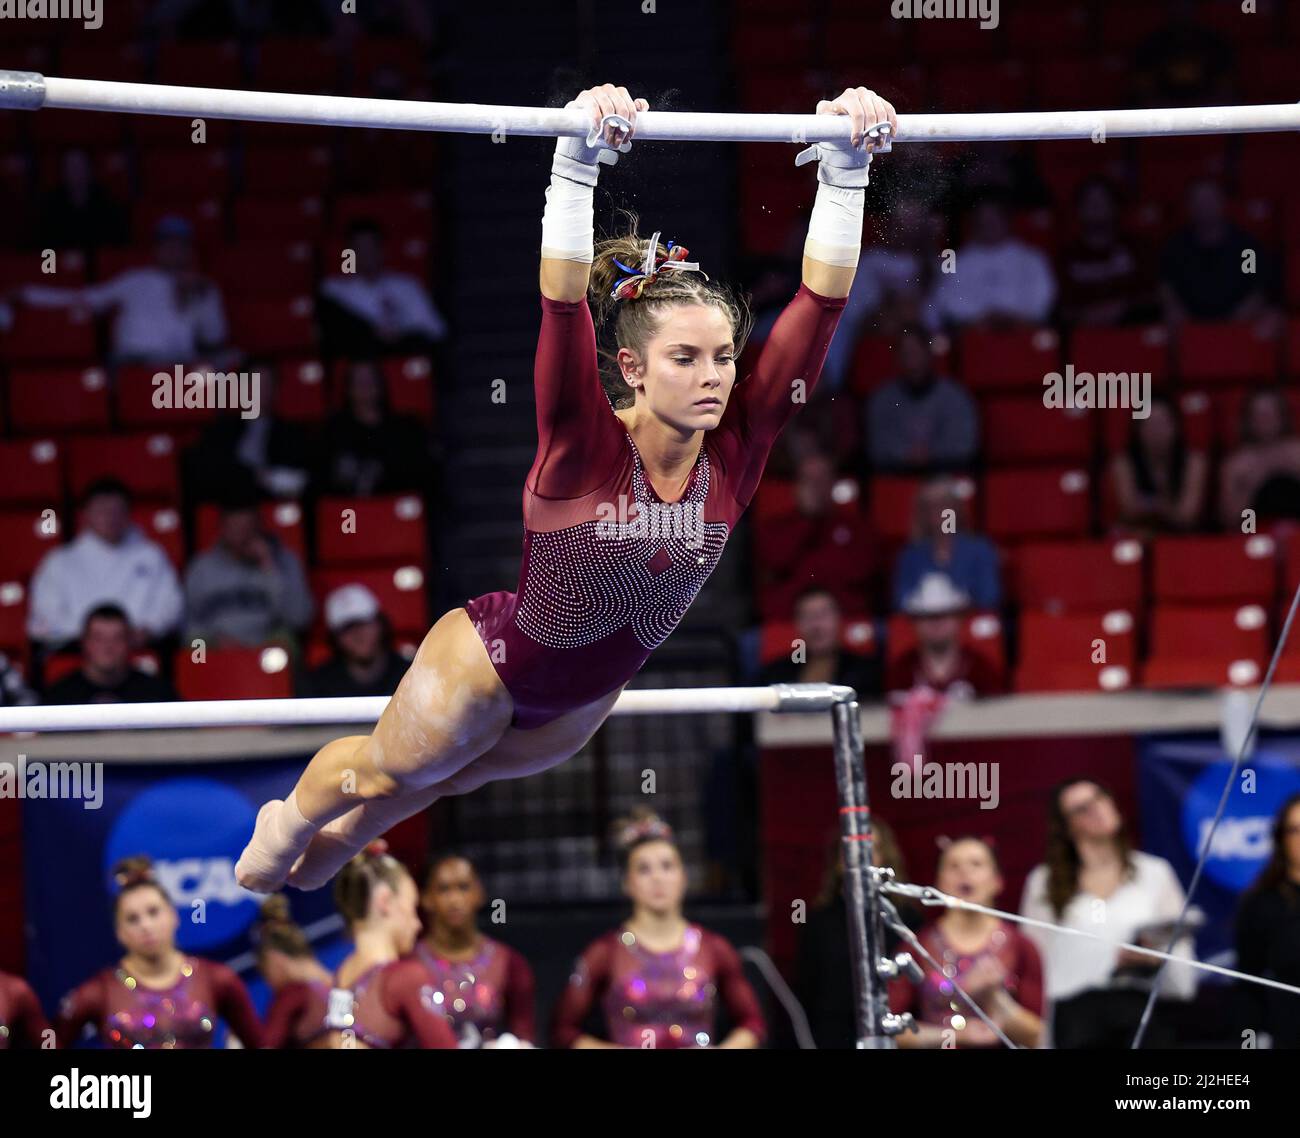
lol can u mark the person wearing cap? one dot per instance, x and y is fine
(939, 660)
(109, 561)
(364, 662)
(165, 313)
(248, 589)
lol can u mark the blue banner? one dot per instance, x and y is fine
(193, 821)
(1180, 782)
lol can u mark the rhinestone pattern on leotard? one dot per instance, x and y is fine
(588, 581)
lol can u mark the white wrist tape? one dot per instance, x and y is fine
(568, 221)
(835, 228)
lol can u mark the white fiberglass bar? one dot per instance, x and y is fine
(367, 709)
(31, 91)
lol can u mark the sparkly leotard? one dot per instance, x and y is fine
(484, 997)
(657, 999)
(129, 1015)
(388, 1005)
(22, 1022)
(296, 1015)
(609, 569)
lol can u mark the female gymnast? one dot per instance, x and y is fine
(22, 1020)
(626, 508)
(485, 988)
(657, 979)
(156, 997)
(380, 996)
(296, 978)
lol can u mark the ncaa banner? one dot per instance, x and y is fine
(1180, 782)
(192, 820)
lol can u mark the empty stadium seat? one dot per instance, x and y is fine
(1003, 360)
(294, 218)
(31, 473)
(234, 673)
(1078, 576)
(58, 399)
(777, 637)
(1053, 502)
(264, 268)
(49, 336)
(1235, 568)
(13, 617)
(272, 325)
(1206, 646)
(1025, 431)
(302, 391)
(1076, 651)
(134, 400)
(370, 531)
(411, 388)
(162, 524)
(26, 536)
(145, 463)
(1225, 352)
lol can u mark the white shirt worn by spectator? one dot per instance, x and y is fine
(149, 323)
(1073, 964)
(88, 572)
(1011, 279)
(393, 301)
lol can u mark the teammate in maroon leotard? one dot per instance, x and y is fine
(485, 988)
(156, 996)
(380, 996)
(299, 982)
(627, 507)
(22, 1020)
(658, 980)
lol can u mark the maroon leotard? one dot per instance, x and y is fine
(660, 999)
(22, 1021)
(483, 997)
(128, 1015)
(597, 592)
(296, 1015)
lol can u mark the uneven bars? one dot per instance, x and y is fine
(367, 709)
(29, 90)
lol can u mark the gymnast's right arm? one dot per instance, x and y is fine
(80, 1007)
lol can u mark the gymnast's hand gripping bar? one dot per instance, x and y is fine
(29, 90)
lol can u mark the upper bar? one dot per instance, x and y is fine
(28, 90)
(367, 709)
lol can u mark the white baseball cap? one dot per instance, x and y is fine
(936, 595)
(349, 604)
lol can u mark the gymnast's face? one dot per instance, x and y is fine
(656, 878)
(396, 908)
(146, 922)
(690, 360)
(453, 894)
(967, 870)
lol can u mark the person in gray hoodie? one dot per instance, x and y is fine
(248, 589)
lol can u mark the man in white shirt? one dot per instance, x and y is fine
(998, 279)
(374, 311)
(169, 313)
(109, 562)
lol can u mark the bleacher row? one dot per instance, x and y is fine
(1177, 612)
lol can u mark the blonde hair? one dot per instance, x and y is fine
(355, 886)
(637, 321)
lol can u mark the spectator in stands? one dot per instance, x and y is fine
(920, 422)
(1263, 473)
(375, 311)
(890, 284)
(819, 655)
(998, 280)
(815, 541)
(1160, 486)
(364, 662)
(110, 560)
(166, 314)
(1203, 266)
(270, 449)
(1184, 64)
(996, 965)
(79, 213)
(106, 674)
(247, 589)
(367, 449)
(1094, 881)
(1268, 934)
(940, 661)
(14, 691)
(824, 965)
(1103, 277)
(942, 542)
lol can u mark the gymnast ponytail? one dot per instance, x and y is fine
(637, 319)
(355, 886)
(276, 930)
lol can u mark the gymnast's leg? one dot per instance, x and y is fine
(516, 754)
(450, 707)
